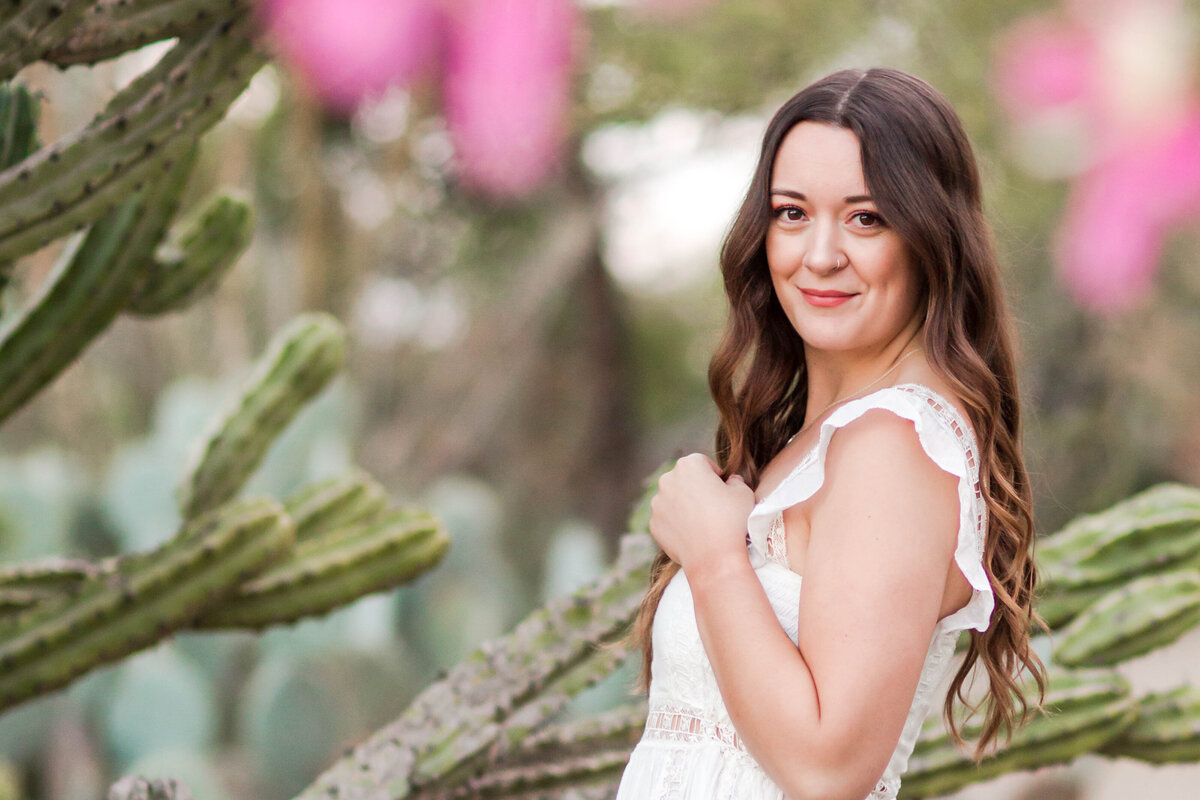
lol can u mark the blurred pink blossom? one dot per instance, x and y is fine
(1121, 70)
(505, 67)
(507, 89)
(348, 49)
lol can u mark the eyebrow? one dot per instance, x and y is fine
(854, 198)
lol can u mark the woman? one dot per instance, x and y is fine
(869, 434)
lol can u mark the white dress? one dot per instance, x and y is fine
(690, 750)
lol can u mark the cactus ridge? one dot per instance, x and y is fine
(1167, 730)
(300, 361)
(1085, 710)
(30, 27)
(18, 124)
(454, 724)
(145, 598)
(318, 575)
(206, 248)
(118, 26)
(87, 290)
(335, 503)
(1141, 616)
(160, 115)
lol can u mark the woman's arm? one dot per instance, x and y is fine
(823, 720)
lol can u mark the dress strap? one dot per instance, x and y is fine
(949, 442)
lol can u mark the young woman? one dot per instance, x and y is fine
(869, 500)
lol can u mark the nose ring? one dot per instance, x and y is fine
(838, 263)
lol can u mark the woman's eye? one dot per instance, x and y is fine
(868, 219)
(789, 213)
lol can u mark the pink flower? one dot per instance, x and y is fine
(1116, 76)
(348, 49)
(1120, 212)
(507, 90)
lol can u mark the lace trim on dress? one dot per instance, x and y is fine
(777, 541)
(689, 726)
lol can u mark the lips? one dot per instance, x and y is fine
(826, 298)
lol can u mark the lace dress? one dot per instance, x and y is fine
(690, 750)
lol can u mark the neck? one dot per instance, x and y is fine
(834, 375)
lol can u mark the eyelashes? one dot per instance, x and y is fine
(865, 219)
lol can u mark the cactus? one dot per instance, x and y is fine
(197, 259)
(30, 27)
(325, 572)
(302, 359)
(1155, 531)
(87, 290)
(139, 599)
(1139, 617)
(453, 726)
(140, 789)
(1085, 710)
(157, 117)
(116, 26)
(335, 503)
(1167, 729)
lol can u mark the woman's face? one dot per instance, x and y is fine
(842, 275)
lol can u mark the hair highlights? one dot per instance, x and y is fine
(921, 172)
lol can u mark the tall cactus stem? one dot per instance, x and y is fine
(158, 116)
(301, 360)
(87, 290)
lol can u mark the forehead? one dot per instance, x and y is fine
(814, 157)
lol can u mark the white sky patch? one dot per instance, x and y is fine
(674, 185)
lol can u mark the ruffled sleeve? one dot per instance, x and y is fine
(948, 440)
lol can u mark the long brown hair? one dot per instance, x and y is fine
(921, 172)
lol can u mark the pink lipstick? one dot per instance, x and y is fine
(825, 298)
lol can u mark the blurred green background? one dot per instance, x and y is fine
(517, 367)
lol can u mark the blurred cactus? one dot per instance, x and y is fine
(492, 727)
(119, 180)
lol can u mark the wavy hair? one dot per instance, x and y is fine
(920, 170)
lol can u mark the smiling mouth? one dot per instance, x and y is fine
(825, 298)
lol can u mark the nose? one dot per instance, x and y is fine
(824, 254)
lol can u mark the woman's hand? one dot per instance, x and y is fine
(696, 517)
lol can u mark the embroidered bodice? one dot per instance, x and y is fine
(690, 749)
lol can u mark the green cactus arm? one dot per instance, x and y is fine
(158, 116)
(131, 788)
(460, 719)
(1166, 731)
(329, 571)
(334, 503)
(118, 26)
(1084, 709)
(197, 258)
(30, 27)
(1151, 524)
(1134, 619)
(18, 124)
(145, 598)
(87, 290)
(300, 361)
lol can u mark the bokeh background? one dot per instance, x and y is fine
(516, 207)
